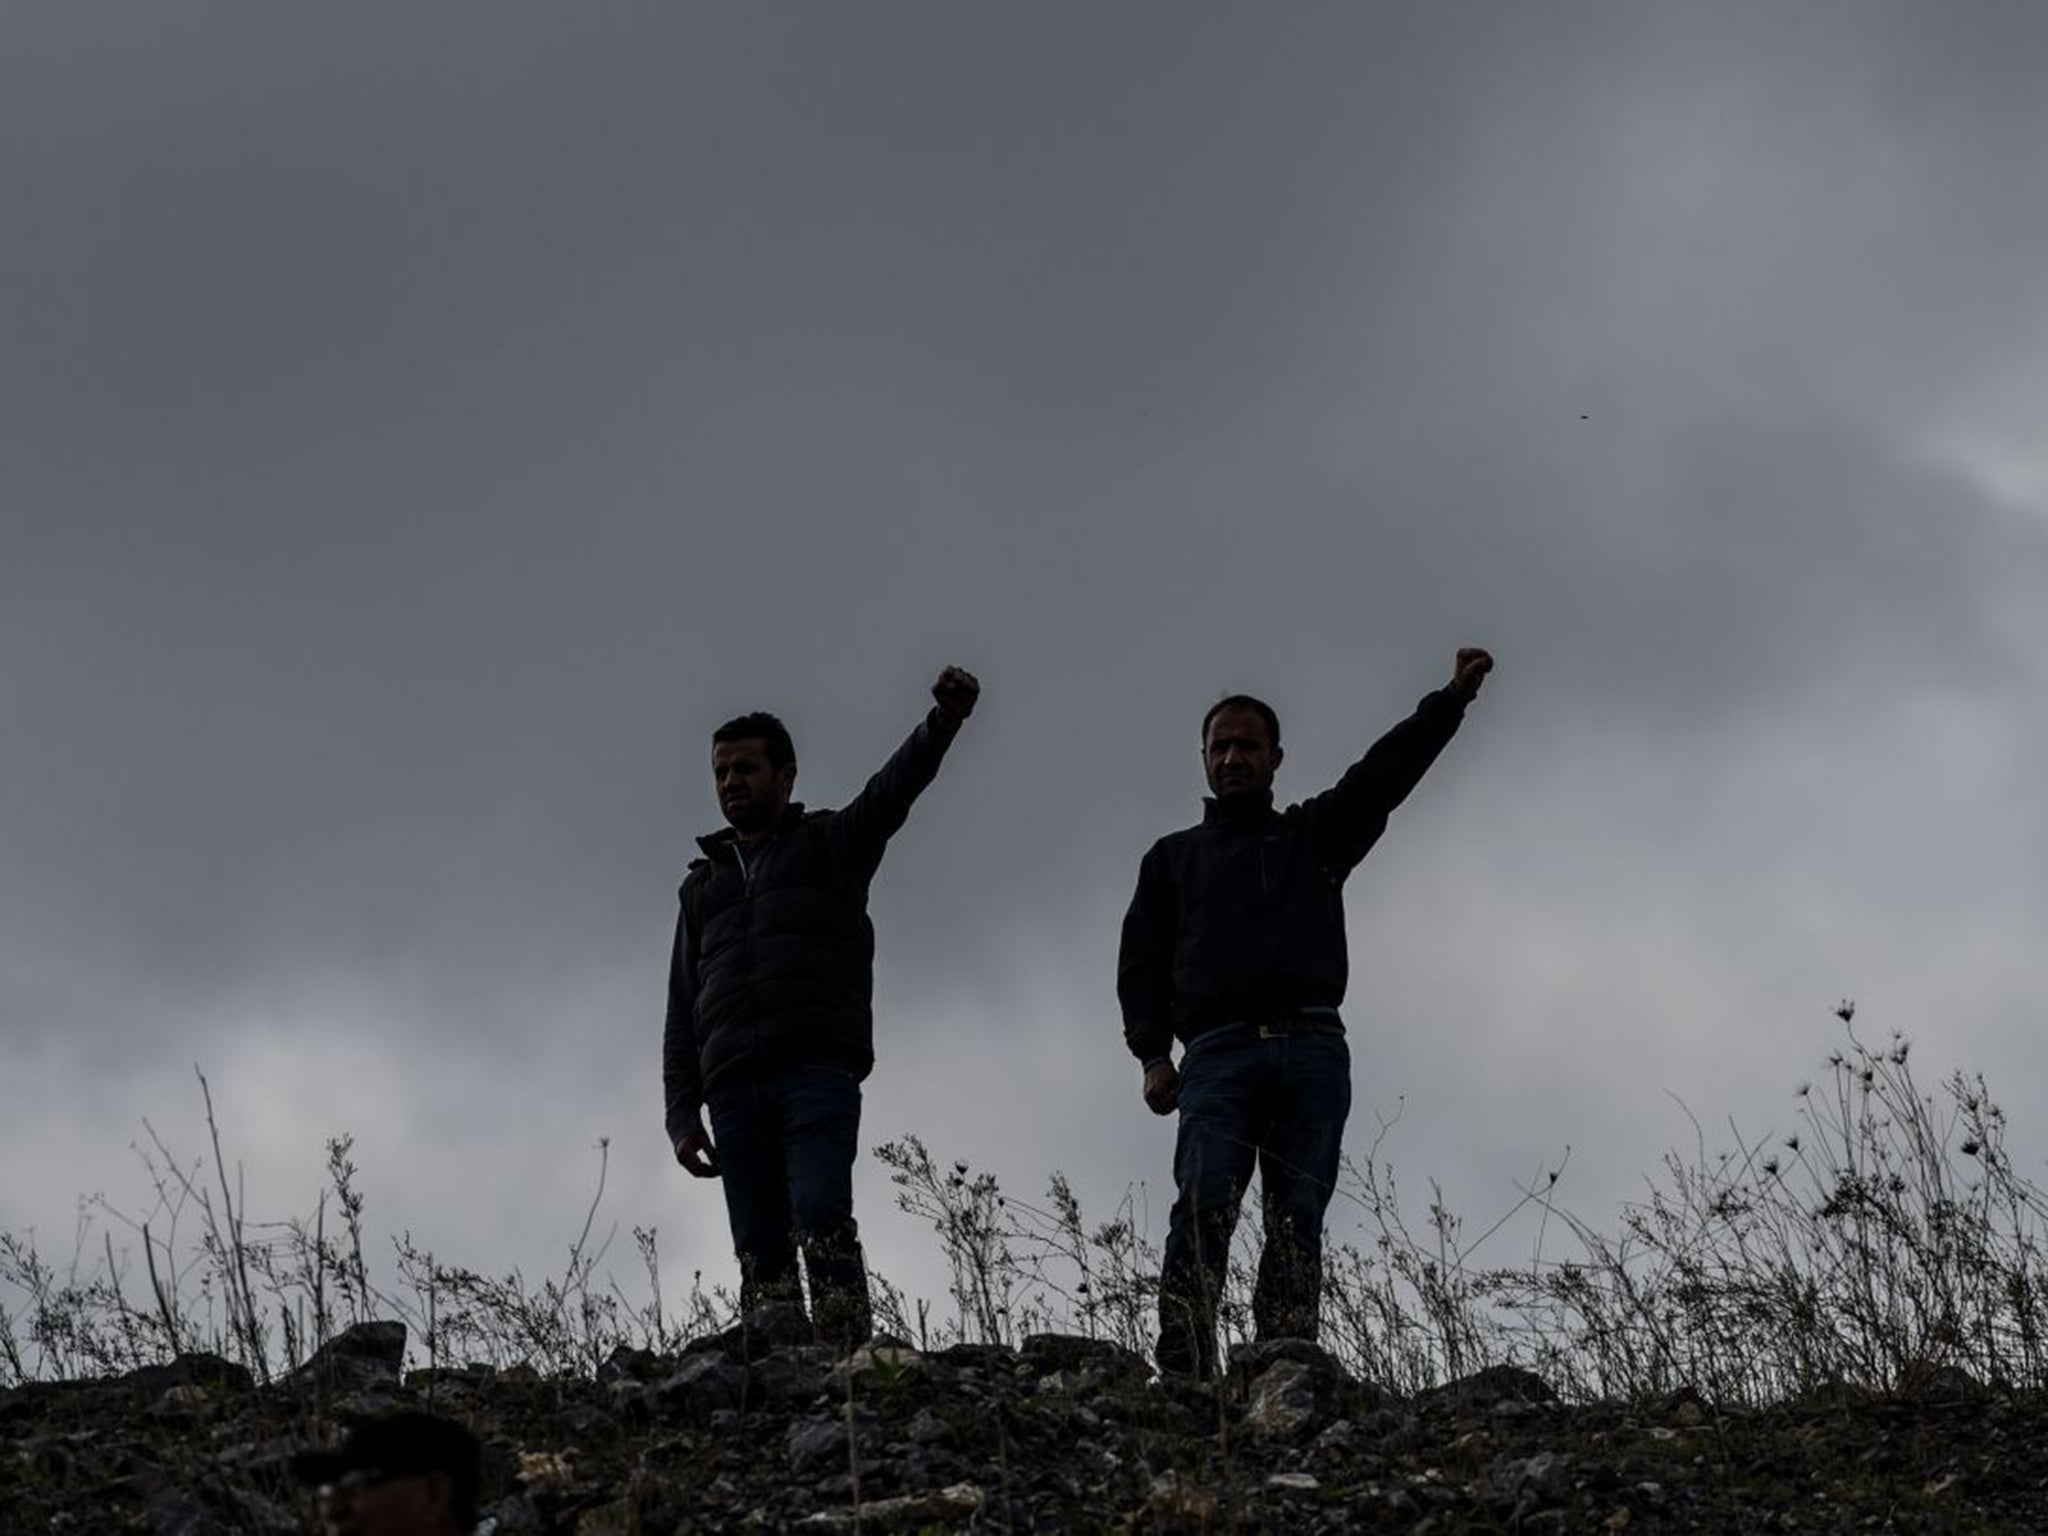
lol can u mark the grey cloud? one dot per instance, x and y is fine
(420, 433)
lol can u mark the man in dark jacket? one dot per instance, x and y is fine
(1234, 945)
(769, 1004)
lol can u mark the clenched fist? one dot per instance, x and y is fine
(955, 693)
(1162, 1088)
(1473, 665)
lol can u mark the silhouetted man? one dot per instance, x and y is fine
(769, 1017)
(1234, 944)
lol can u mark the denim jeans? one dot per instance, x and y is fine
(786, 1143)
(1278, 1103)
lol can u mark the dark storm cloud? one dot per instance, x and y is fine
(421, 430)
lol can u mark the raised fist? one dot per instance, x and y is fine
(955, 693)
(1473, 665)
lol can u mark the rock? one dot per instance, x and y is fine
(625, 1363)
(929, 1429)
(1283, 1401)
(1175, 1499)
(367, 1354)
(179, 1405)
(191, 1370)
(1293, 1482)
(452, 1379)
(700, 1386)
(1546, 1476)
(174, 1513)
(948, 1506)
(787, 1377)
(1249, 1360)
(613, 1519)
(883, 1364)
(1048, 1352)
(997, 1359)
(777, 1325)
(1930, 1382)
(1495, 1385)
(820, 1445)
(516, 1516)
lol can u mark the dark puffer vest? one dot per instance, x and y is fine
(773, 963)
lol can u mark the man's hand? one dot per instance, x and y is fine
(695, 1152)
(1473, 665)
(955, 693)
(1162, 1088)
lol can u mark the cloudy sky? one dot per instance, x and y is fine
(419, 425)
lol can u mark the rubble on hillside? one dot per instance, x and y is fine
(756, 1429)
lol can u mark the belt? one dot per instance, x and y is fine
(1322, 1021)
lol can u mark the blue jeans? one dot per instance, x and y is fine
(1278, 1103)
(786, 1143)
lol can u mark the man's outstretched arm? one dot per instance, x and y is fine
(863, 829)
(1353, 813)
(682, 1085)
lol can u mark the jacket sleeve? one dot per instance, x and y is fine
(1144, 964)
(1352, 813)
(681, 1079)
(861, 830)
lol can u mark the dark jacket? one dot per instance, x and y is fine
(1242, 917)
(773, 963)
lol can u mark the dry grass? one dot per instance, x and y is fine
(1888, 1236)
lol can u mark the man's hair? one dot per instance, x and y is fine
(1258, 707)
(762, 727)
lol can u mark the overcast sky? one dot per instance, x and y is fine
(420, 425)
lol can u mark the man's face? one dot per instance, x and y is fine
(368, 1504)
(751, 792)
(1238, 755)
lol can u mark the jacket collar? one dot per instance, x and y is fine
(1237, 812)
(719, 844)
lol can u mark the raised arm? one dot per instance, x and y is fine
(1144, 978)
(863, 828)
(1351, 814)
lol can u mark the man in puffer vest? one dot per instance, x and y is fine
(770, 1025)
(1234, 946)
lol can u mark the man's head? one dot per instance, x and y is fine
(753, 767)
(1240, 747)
(404, 1474)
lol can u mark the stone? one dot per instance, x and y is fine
(997, 1359)
(174, 1513)
(363, 1355)
(192, 1370)
(787, 1377)
(1546, 1475)
(820, 1445)
(1495, 1385)
(1283, 1401)
(1048, 1352)
(700, 1386)
(613, 1519)
(515, 1516)
(777, 1325)
(878, 1365)
(625, 1363)
(1250, 1360)
(909, 1512)
(1176, 1498)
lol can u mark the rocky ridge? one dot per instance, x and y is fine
(759, 1429)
